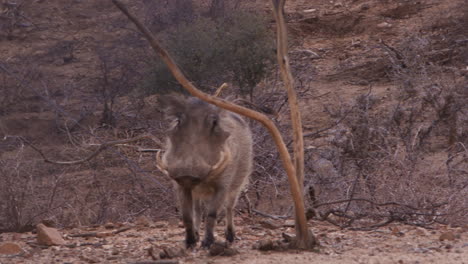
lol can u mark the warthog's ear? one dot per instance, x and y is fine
(172, 104)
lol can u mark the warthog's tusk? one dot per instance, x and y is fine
(160, 164)
(221, 165)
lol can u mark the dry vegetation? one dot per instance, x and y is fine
(384, 107)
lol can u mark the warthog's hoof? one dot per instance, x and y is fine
(207, 242)
(230, 235)
(191, 240)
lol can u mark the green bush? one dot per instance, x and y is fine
(238, 49)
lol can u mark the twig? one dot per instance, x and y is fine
(92, 155)
(137, 148)
(266, 110)
(313, 134)
(220, 89)
(99, 234)
(372, 227)
(366, 200)
(276, 217)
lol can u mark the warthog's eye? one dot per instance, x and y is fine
(214, 121)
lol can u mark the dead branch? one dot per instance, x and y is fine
(367, 201)
(304, 240)
(318, 132)
(101, 234)
(137, 148)
(220, 89)
(92, 155)
(298, 139)
(372, 227)
(276, 217)
(392, 216)
(263, 109)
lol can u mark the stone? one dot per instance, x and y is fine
(143, 221)
(264, 245)
(104, 234)
(49, 236)
(109, 225)
(9, 248)
(310, 10)
(338, 5)
(155, 253)
(49, 222)
(449, 236)
(222, 249)
(269, 224)
(384, 25)
(173, 252)
(289, 223)
(364, 7)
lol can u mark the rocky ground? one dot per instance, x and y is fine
(146, 241)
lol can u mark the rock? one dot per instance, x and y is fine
(310, 10)
(155, 253)
(289, 223)
(384, 25)
(160, 224)
(49, 222)
(364, 7)
(173, 252)
(449, 236)
(9, 248)
(163, 261)
(338, 5)
(109, 225)
(143, 221)
(48, 236)
(269, 224)
(104, 234)
(222, 249)
(265, 245)
(90, 259)
(419, 231)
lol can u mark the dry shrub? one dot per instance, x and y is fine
(113, 187)
(398, 161)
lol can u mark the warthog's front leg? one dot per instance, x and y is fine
(191, 236)
(213, 207)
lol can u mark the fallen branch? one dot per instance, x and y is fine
(91, 156)
(101, 234)
(375, 203)
(276, 217)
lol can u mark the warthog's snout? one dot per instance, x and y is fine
(187, 181)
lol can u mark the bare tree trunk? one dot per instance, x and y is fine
(283, 61)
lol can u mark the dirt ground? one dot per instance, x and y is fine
(389, 244)
(63, 39)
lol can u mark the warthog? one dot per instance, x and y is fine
(209, 157)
